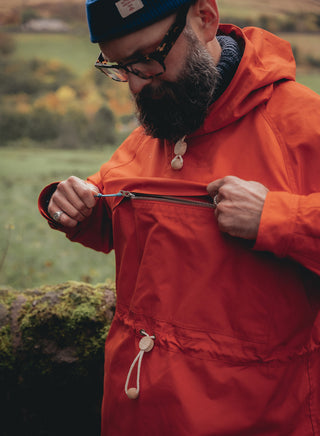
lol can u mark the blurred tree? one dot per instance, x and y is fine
(102, 127)
(43, 124)
(7, 45)
(13, 125)
(73, 130)
(28, 14)
(33, 76)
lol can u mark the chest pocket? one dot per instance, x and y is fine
(175, 265)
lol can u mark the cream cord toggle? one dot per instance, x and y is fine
(180, 149)
(146, 344)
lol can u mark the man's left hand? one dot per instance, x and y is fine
(239, 205)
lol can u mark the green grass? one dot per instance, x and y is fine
(32, 253)
(311, 80)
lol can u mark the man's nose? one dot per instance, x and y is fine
(136, 84)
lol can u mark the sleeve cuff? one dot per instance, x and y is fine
(43, 203)
(277, 223)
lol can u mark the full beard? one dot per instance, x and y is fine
(174, 109)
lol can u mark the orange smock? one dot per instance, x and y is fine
(236, 324)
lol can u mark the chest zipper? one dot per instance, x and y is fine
(208, 202)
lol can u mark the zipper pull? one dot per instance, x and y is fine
(127, 194)
(118, 194)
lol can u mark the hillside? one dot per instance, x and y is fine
(255, 7)
(251, 5)
(10, 12)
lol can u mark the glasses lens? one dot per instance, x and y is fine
(146, 69)
(114, 73)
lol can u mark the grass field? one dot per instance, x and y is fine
(32, 254)
(311, 80)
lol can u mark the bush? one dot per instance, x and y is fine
(296, 53)
(73, 130)
(39, 125)
(293, 22)
(38, 113)
(28, 14)
(102, 127)
(33, 77)
(43, 125)
(7, 45)
(13, 125)
(313, 61)
(16, 78)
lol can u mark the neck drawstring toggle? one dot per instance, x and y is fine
(180, 149)
(146, 344)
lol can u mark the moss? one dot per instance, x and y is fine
(72, 314)
(6, 349)
(7, 296)
(43, 322)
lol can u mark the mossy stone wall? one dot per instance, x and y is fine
(51, 358)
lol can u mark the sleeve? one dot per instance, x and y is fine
(290, 227)
(290, 221)
(94, 232)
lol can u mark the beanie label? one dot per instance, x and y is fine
(129, 7)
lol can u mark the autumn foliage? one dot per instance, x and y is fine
(49, 105)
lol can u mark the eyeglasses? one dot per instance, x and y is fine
(151, 65)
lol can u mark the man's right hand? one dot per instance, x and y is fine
(75, 198)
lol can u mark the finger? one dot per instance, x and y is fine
(69, 204)
(214, 186)
(59, 201)
(86, 192)
(78, 212)
(80, 198)
(64, 219)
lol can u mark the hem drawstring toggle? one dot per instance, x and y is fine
(146, 344)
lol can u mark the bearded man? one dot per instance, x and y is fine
(212, 206)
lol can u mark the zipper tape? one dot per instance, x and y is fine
(165, 198)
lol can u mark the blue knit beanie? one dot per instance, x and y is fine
(109, 19)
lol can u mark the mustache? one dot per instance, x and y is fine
(164, 91)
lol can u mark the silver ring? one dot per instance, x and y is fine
(215, 200)
(57, 215)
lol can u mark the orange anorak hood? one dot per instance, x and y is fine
(267, 59)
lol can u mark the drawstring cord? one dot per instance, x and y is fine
(146, 344)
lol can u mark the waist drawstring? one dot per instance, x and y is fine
(146, 344)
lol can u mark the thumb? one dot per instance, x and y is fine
(214, 186)
(93, 188)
